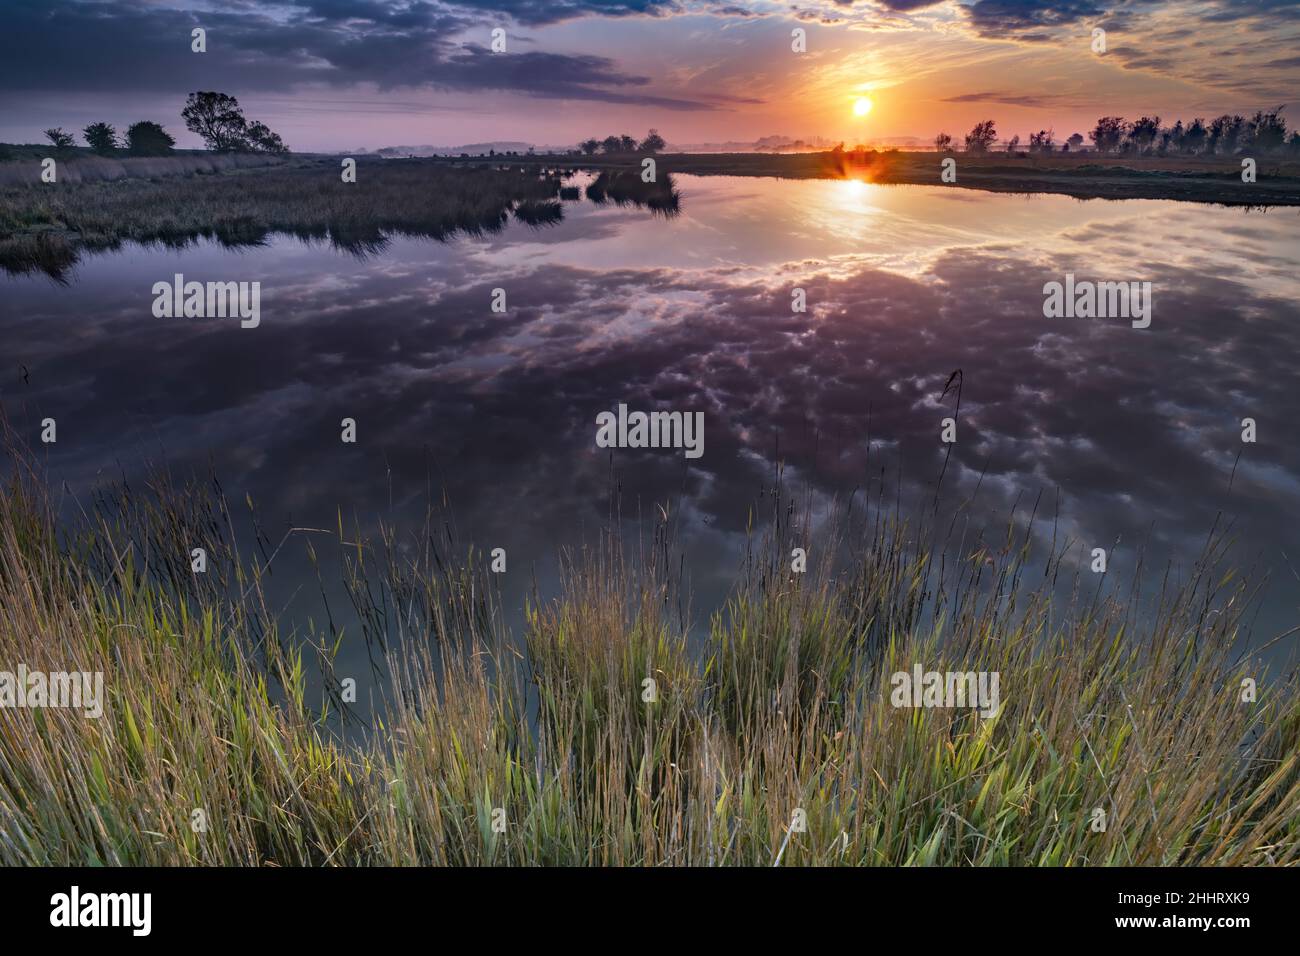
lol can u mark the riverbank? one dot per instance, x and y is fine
(98, 203)
(1083, 175)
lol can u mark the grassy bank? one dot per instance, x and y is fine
(46, 228)
(1084, 175)
(84, 168)
(784, 708)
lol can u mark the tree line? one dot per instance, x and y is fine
(653, 143)
(1264, 132)
(216, 117)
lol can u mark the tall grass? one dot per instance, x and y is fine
(780, 704)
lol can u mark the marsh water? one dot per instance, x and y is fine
(1133, 437)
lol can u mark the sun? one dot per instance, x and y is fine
(861, 106)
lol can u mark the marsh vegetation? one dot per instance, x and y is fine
(782, 705)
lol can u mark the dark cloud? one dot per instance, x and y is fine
(537, 12)
(1227, 11)
(1027, 19)
(118, 45)
(1011, 99)
(1037, 20)
(905, 6)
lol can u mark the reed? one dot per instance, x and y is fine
(781, 703)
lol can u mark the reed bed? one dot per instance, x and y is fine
(45, 228)
(767, 737)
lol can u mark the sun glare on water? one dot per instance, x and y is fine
(861, 106)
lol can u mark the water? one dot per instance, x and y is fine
(1132, 434)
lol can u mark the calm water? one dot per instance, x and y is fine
(1139, 430)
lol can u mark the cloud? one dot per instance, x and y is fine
(539, 12)
(1028, 19)
(66, 45)
(906, 6)
(1010, 99)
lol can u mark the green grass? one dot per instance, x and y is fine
(784, 705)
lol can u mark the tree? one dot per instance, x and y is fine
(1075, 140)
(981, 137)
(146, 138)
(1226, 132)
(611, 144)
(1108, 133)
(262, 140)
(1269, 129)
(1013, 143)
(1142, 132)
(218, 119)
(627, 143)
(653, 142)
(1176, 136)
(943, 143)
(589, 146)
(1195, 136)
(61, 138)
(1042, 141)
(101, 138)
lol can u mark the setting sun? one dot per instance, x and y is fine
(862, 106)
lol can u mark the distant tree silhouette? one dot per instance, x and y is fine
(262, 140)
(61, 138)
(1268, 129)
(589, 147)
(1075, 140)
(101, 138)
(1108, 133)
(217, 118)
(627, 143)
(146, 138)
(611, 144)
(1195, 136)
(981, 137)
(653, 142)
(943, 143)
(1013, 143)
(1225, 133)
(1142, 133)
(1042, 141)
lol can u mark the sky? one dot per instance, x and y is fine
(341, 75)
